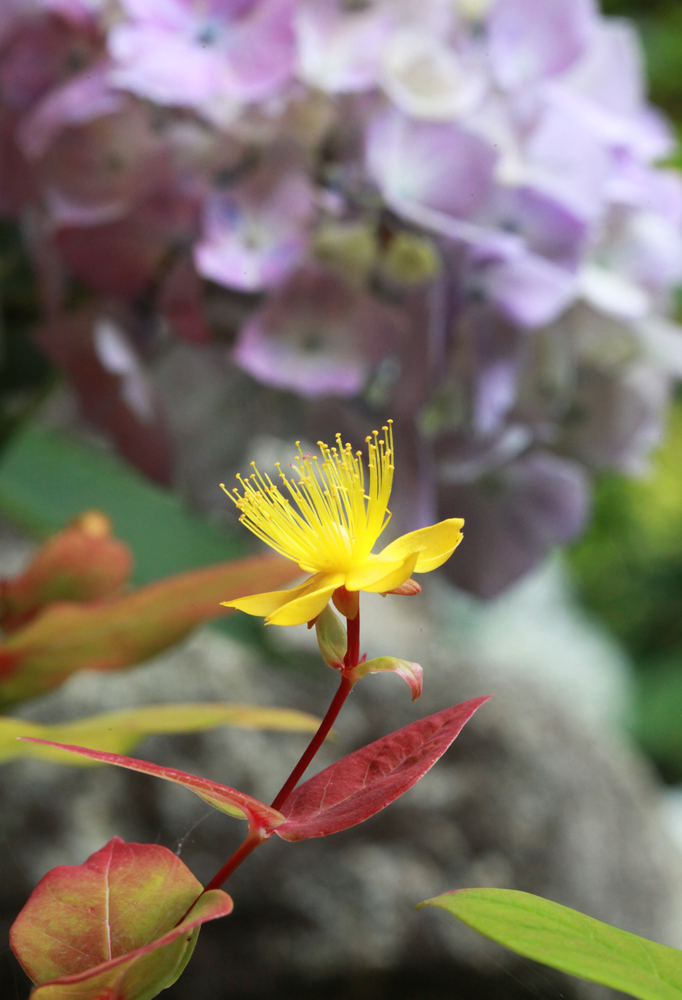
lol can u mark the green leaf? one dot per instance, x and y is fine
(570, 941)
(120, 732)
(47, 479)
(107, 928)
(119, 632)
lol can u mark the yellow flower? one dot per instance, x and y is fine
(331, 527)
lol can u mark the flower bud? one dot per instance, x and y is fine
(331, 638)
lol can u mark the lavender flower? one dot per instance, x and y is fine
(450, 212)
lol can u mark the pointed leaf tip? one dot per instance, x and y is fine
(365, 782)
(221, 797)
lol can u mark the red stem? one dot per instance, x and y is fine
(350, 660)
(345, 687)
(252, 841)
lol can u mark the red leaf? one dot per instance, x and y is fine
(107, 928)
(368, 780)
(221, 797)
(117, 632)
(81, 563)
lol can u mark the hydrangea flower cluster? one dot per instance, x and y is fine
(452, 211)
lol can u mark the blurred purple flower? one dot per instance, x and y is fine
(339, 48)
(438, 166)
(616, 420)
(318, 336)
(192, 53)
(255, 234)
(514, 517)
(531, 40)
(123, 257)
(605, 91)
(426, 77)
(95, 170)
(450, 213)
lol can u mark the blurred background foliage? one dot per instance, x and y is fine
(660, 24)
(628, 568)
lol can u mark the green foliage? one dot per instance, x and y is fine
(629, 564)
(120, 732)
(660, 24)
(569, 941)
(628, 570)
(47, 479)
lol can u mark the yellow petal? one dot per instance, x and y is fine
(309, 603)
(377, 575)
(263, 605)
(437, 543)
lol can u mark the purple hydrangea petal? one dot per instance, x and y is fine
(529, 289)
(514, 518)
(317, 337)
(531, 40)
(253, 238)
(618, 419)
(442, 167)
(426, 78)
(567, 161)
(178, 53)
(340, 51)
(86, 97)
(547, 226)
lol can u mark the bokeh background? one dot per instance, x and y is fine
(190, 278)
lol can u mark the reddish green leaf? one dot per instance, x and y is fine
(412, 673)
(222, 797)
(360, 785)
(81, 563)
(118, 632)
(105, 930)
(119, 732)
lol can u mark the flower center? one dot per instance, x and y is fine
(333, 515)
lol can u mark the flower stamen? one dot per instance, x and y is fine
(335, 517)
